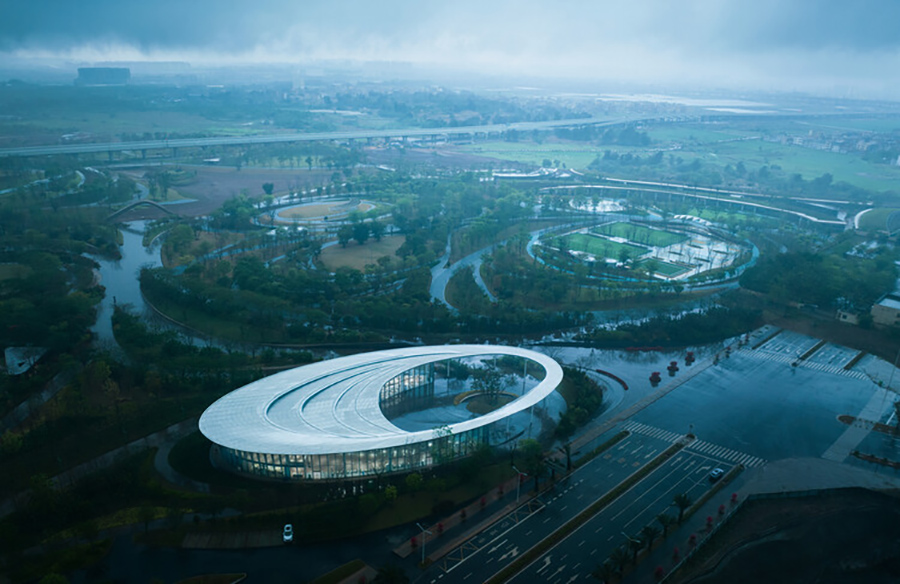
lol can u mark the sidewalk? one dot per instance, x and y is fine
(472, 512)
(663, 554)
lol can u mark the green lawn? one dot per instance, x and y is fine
(665, 268)
(573, 155)
(640, 234)
(876, 219)
(807, 162)
(604, 248)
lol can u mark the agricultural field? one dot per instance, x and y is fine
(640, 234)
(576, 156)
(807, 162)
(603, 248)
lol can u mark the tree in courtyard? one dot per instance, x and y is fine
(268, 188)
(490, 382)
(682, 501)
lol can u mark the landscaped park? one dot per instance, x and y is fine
(669, 251)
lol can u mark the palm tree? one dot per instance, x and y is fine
(604, 572)
(666, 521)
(649, 534)
(619, 559)
(682, 501)
(635, 544)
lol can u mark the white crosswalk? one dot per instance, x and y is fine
(720, 452)
(782, 358)
(698, 446)
(653, 432)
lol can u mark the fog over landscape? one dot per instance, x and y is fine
(462, 292)
(838, 48)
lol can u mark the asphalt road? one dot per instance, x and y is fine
(296, 137)
(501, 544)
(573, 559)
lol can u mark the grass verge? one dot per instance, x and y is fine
(340, 573)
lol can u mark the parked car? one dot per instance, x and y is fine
(288, 534)
(715, 474)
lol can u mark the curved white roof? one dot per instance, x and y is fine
(332, 406)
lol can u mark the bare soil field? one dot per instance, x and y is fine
(213, 185)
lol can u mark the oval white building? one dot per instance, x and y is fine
(326, 420)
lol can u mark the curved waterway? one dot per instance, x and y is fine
(120, 278)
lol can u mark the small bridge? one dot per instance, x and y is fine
(131, 206)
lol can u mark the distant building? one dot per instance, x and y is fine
(886, 312)
(103, 76)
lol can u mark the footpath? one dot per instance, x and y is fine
(166, 437)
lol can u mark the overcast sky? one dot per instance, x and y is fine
(810, 45)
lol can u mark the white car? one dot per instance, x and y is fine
(715, 474)
(288, 534)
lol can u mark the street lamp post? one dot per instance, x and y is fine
(424, 531)
(519, 481)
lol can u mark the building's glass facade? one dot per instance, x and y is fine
(350, 465)
(409, 391)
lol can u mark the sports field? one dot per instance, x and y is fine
(640, 234)
(664, 268)
(877, 219)
(319, 210)
(604, 248)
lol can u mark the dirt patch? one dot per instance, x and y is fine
(358, 256)
(844, 535)
(213, 185)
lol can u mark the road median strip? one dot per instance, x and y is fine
(570, 526)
